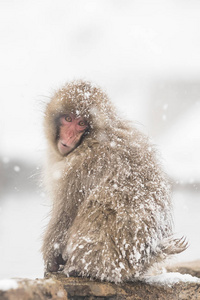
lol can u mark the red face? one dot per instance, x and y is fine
(71, 130)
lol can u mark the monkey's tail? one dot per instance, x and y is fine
(170, 246)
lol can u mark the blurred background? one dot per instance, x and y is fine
(145, 54)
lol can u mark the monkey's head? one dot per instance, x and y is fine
(78, 111)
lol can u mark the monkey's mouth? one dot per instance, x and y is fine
(64, 148)
(63, 144)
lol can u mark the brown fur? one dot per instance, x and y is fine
(111, 214)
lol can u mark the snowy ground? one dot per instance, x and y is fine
(22, 219)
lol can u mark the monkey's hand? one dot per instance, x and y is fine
(52, 247)
(55, 263)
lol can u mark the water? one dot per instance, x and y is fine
(23, 217)
(22, 221)
(187, 221)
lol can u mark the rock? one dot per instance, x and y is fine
(81, 288)
(169, 286)
(38, 289)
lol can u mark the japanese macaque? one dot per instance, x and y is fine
(111, 213)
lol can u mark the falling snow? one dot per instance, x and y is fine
(17, 169)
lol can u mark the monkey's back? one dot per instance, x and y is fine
(122, 210)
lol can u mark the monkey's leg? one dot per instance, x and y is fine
(95, 246)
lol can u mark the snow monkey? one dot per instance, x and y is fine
(111, 213)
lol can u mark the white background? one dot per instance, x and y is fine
(145, 54)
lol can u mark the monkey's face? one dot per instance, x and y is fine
(71, 130)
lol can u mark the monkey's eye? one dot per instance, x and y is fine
(68, 118)
(82, 123)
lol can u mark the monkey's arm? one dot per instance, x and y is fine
(53, 242)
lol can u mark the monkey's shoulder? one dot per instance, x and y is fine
(121, 152)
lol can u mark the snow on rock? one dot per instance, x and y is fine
(60, 294)
(8, 284)
(171, 278)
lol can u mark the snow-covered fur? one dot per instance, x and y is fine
(111, 215)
